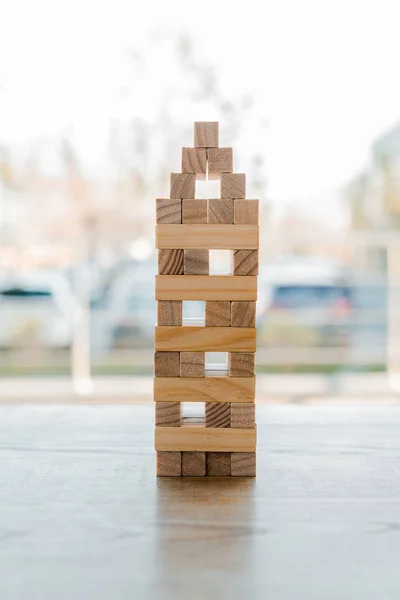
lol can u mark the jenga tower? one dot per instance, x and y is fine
(224, 443)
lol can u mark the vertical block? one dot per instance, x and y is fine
(220, 160)
(243, 415)
(169, 211)
(245, 212)
(192, 364)
(243, 464)
(245, 262)
(166, 364)
(218, 313)
(169, 313)
(220, 211)
(218, 464)
(194, 212)
(193, 464)
(194, 160)
(168, 414)
(243, 314)
(183, 185)
(206, 134)
(233, 185)
(169, 464)
(196, 262)
(241, 364)
(170, 262)
(218, 414)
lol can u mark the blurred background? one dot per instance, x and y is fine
(96, 101)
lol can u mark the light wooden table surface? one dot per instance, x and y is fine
(82, 515)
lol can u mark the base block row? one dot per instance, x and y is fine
(203, 464)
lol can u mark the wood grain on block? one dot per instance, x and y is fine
(241, 364)
(170, 262)
(215, 237)
(204, 439)
(193, 464)
(218, 414)
(245, 262)
(166, 364)
(243, 464)
(243, 314)
(213, 287)
(243, 415)
(168, 414)
(220, 160)
(169, 210)
(206, 134)
(169, 464)
(220, 211)
(196, 262)
(218, 464)
(207, 389)
(169, 312)
(192, 364)
(218, 314)
(194, 212)
(233, 185)
(194, 160)
(245, 212)
(183, 185)
(205, 339)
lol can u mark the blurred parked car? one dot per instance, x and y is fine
(35, 311)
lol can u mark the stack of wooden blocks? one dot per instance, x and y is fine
(224, 442)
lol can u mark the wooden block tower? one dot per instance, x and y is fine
(224, 442)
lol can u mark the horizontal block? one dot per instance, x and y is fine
(205, 339)
(194, 160)
(210, 237)
(207, 287)
(205, 389)
(206, 134)
(204, 439)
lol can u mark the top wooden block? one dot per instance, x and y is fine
(206, 134)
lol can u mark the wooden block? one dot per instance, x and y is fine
(168, 414)
(243, 314)
(169, 312)
(205, 339)
(205, 439)
(206, 134)
(218, 314)
(196, 262)
(183, 185)
(197, 287)
(242, 415)
(243, 464)
(220, 211)
(245, 212)
(194, 212)
(233, 185)
(193, 464)
(207, 389)
(220, 160)
(215, 237)
(166, 364)
(169, 464)
(192, 364)
(170, 262)
(194, 160)
(169, 211)
(218, 414)
(218, 464)
(241, 364)
(245, 262)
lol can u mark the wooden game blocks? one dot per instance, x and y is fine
(223, 442)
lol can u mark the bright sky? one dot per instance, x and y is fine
(325, 73)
